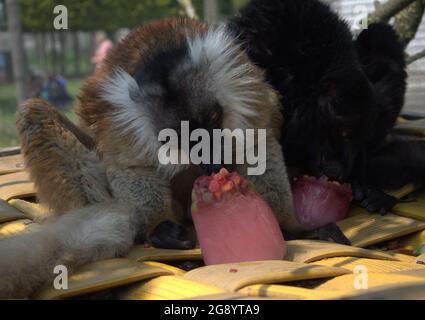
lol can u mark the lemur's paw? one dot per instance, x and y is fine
(169, 235)
(374, 200)
(330, 232)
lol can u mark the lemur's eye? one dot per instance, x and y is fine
(216, 116)
(346, 133)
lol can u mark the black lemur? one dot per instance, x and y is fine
(340, 97)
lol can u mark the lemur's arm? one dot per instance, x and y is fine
(150, 195)
(66, 173)
(274, 186)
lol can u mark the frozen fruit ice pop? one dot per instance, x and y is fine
(233, 222)
(319, 202)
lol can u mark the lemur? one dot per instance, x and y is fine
(340, 97)
(102, 181)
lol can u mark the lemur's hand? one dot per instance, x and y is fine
(170, 235)
(372, 199)
(150, 196)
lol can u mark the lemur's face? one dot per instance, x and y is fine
(185, 99)
(331, 137)
(206, 80)
(177, 91)
(344, 130)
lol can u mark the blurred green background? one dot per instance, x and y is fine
(67, 53)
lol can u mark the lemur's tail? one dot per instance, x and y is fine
(92, 233)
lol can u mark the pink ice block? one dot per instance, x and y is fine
(319, 202)
(233, 223)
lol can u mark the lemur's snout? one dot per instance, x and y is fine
(210, 168)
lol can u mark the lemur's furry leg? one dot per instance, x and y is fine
(147, 192)
(66, 173)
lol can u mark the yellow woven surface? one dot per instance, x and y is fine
(288, 292)
(168, 288)
(413, 241)
(406, 190)
(414, 209)
(140, 253)
(11, 164)
(414, 128)
(372, 265)
(400, 291)
(16, 227)
(103, 275)
(367, 229)
(312, 270)
(354, 282)
(310, 251)
(235, 276)
(421, 259)
(16, 185)
(404, 257)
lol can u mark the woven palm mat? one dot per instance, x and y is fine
(385, 260)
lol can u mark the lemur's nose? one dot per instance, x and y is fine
(333, 171)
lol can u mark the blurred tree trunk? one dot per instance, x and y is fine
(91, 49)
(62, 53)
(38, 48)
(407, 22)
(210, 11)
(17, 46)
(77, 55)
(384, 12)
(44, 52)
(53, 52)
(189, 8)
(415, 57)
(41, 50)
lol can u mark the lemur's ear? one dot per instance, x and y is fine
(145, 93)
(122, 90)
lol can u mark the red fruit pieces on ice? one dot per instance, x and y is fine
(214, 186)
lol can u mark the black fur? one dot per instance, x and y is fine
(340, 97)
(393, 161)
(309, 56)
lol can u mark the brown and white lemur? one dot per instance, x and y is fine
(102, 180)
